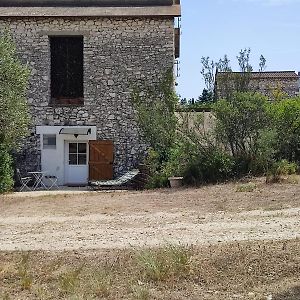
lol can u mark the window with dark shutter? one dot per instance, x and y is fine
(66, 70)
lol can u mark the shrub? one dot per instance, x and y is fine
(155, 113)
(286, 119)
(211, 166)
(6, 171)
(240, 120)
(281, 169)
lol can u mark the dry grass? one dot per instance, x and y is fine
(235, 271)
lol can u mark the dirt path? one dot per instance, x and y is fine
(100, 231)
(117, 220)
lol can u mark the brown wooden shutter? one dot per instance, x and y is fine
(101, 160)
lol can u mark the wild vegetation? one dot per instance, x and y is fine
(14, 117)
(241, 271)
(251, 135)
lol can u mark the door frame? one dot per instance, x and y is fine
(66, 162)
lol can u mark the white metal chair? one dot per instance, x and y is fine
(24, 181)
(53, 181)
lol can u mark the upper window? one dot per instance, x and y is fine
(66, 70)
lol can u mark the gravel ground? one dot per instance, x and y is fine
(211, 214)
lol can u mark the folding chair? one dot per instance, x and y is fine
(53, 181)
(24, 181)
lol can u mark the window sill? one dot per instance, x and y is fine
(61, 102)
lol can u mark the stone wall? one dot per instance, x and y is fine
(266, 86)
(289, 86)
(118, 53)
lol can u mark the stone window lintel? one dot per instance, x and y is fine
(64, 33)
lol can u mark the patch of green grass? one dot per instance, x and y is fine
(246, 188)
(5, 297)
(69, 281)
(100, 284)
(26, 279)
(165, 263)
(140, 293)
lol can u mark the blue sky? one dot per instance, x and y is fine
(217, 27)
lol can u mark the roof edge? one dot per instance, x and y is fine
(267, 74)
(171, 11)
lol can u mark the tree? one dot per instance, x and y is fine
(206, 96)
(155, 111)
(286, 119)
(155, 108)
(222, 81)
(240, 122)
(14, 117)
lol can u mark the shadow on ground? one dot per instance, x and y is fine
(291, 294)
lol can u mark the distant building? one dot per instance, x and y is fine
(263, 82)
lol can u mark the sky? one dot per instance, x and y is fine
(217, 27)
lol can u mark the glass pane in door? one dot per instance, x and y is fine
(73, 148)
(82, 148)
(81, 159)
(72, 159)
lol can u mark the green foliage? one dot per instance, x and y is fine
(69, 281)
(26, 279)
(13, 106)
(286, 119)
(246, 188)
(203, 103)
(209, 166)
(240, 121)
(6, 171)
(222, 81)
(250, 135)
(177, 160)
(280, 169)
(157, 178)
(195, 106)
(155, 109)
(163, 264)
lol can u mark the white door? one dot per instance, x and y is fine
(76, 163)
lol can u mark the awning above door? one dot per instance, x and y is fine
(76, 131)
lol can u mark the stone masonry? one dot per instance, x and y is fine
(119, 53)
(266, 83)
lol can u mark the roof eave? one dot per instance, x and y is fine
(152, 11)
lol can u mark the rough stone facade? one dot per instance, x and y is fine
(265, 82)
(267, 86)
(118, 53)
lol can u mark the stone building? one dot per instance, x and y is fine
(264, 82)
(84, 62)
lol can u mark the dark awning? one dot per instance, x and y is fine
(85, 3)
(76, 131)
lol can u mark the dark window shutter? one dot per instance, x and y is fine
(66, 68)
